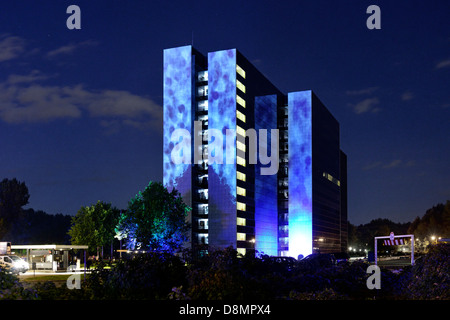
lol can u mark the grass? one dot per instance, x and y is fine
(50, 277)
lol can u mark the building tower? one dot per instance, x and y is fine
(262, 171)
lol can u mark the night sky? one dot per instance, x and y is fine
(81, 110)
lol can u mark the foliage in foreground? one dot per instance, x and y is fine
(223, 275)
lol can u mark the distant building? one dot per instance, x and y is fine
(293, 199)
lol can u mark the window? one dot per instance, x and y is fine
(241, 251)
(203, 224)
(240, 131)
(240, 161)
(202, 91)
(202, 209)
(202, 76)
(241, 206)
(240, 71)
(240, 146)
(241, 236)
(240, 115)
(240, 101)
(202, 105)
(240, 176)
(240, 222)
(240, 86)
(241, 191)
(203, 238)
(332, 179)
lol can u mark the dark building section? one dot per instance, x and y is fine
(326, 183)
(344, 208)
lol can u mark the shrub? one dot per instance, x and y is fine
(12, 289)
(147, 276)
(430, 277)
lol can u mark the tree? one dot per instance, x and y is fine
(13, 196)
(94, 226)
(154, 220)
(363, 236)
(435, 222)
(39, 227)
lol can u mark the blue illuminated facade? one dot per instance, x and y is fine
(217, 110)
(178, 97)
(266, 202)
(300, 173)
(222, 173)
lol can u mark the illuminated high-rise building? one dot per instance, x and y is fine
(261, 170)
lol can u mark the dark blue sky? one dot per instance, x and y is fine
(81, 110)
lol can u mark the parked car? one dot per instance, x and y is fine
(286, 263)
(319, 260)
(13, 263)
(341, 257)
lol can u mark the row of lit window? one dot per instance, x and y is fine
(332, 179)
(239, 160)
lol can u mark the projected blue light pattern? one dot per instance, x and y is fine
(266, 206)
(300, 173)
(222, 176)
(177, 115)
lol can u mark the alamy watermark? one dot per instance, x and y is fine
(258, 147)
(74, 281)
(373, 281)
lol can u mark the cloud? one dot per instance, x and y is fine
(396, 163)
(23, 103)
(443, 64)
(34, 75)
(406, 96)
(392, 164)
(366, 105)
(70, 48)
(10, 47)
(372, 165)
(365, 91)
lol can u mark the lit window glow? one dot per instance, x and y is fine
(240, 101)
(240, 176)
(241, 206)
(240, 161)
(240, 145)
(240, 71)
(240, 131)
(241, 222)
(240, 115)
(241, 191)
(240, 86)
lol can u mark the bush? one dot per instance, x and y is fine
(430, 277)
(223, 275)
(147, 276)
(12, 289)
(326, 294)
